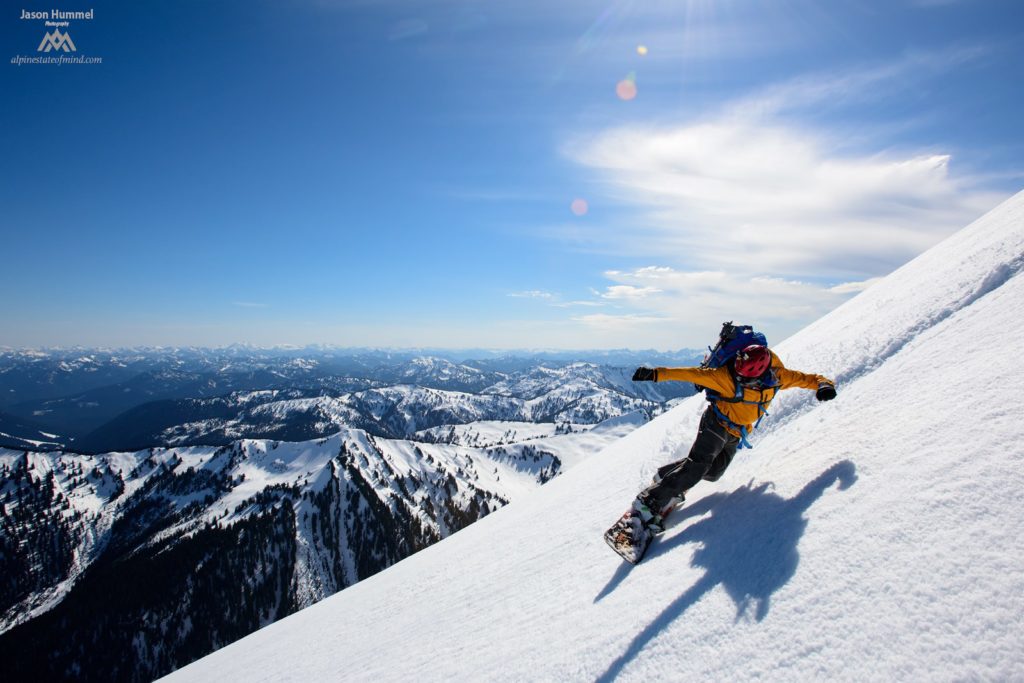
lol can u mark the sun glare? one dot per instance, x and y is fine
(626, 88)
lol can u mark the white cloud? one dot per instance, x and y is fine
(628, 323)
(754, 214)
(771, 199)
(752, 189)
(691, 305)
(629, 292)
(532, 294)
(853, 287)
(835, 88)
(572, 304)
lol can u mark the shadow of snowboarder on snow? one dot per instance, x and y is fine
(748, 546)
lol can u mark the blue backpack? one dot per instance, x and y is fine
(731, 340)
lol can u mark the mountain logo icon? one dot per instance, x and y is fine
(57, 41)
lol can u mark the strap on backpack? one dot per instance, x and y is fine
(714, 398)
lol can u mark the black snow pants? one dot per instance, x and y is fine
(710, 455)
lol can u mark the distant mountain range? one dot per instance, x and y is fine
(98, 401)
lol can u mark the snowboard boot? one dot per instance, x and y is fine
(676, 500)
(650, 520)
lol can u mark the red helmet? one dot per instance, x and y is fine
(753, 361)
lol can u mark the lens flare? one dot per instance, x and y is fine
(626, 88)
(641, 50)
(579, 206)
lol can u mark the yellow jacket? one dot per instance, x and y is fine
(755, 402)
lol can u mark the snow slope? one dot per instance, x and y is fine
(879, 536)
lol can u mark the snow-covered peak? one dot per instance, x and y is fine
(876, 537)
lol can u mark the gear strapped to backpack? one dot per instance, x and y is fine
(731, 340)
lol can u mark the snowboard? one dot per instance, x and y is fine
(628, 537)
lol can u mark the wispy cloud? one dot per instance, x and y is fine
(756, 214)
(681, 302)
(750, 188)
(853, 287)
(769, 199)
(840, 87)
(631, 323)
(577, 304)
(554, 299)
(629, 292)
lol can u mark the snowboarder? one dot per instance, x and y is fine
(739, 393)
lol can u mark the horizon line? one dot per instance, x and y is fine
(333, 347)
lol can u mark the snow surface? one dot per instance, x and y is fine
(485, 433)
(876, 537)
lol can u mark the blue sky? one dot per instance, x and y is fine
(506, 175)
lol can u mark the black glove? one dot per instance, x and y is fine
(826, 392)
(644, 375)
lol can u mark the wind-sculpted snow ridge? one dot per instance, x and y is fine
(875, 537)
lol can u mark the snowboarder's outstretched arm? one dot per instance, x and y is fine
(824, 388)
(716, 379)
